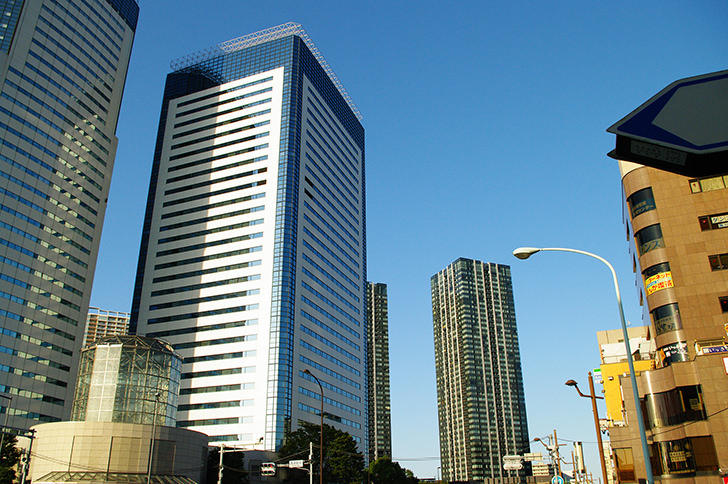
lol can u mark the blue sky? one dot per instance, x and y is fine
(485, 131)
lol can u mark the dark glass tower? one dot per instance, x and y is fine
(380, 418)
(481, 403)
(253, 253)
(63, 66)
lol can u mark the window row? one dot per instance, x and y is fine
(201, 329)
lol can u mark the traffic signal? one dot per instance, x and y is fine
(268, 469)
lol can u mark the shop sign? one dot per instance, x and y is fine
(659, 281)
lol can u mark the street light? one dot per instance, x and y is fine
(151, 444)
(593, 398)
(321, 442)
(526, 252)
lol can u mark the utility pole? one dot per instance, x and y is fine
(558, 457)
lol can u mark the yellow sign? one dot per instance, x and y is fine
(659, 281)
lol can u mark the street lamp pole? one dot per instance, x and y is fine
(526, 252)
(321, 441)
(151, 444)
(593, 398)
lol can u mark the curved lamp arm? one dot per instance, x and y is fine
(526, 252)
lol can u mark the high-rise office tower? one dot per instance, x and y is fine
(679, 244)
(100, 323)
(253, 255)
(63, 65)
(481, 403)
(380, 418)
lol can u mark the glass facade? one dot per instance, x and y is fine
(481, 402)
(129, 379)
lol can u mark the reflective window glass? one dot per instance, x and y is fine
(641, 201)
(649, 238)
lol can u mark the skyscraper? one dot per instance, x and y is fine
(253, 254)
(481, 403)
(64, 65)
(678, 244)
(380, 418)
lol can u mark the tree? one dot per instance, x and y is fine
(9, 458)
(385, 471)
(233, 467)
(343, 463)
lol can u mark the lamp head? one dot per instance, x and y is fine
(307, 372)
(524, 253)
(570, 383)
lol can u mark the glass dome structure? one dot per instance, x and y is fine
(129, 379)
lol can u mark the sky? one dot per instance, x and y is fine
(485, 131)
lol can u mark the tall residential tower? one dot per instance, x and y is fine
(253, 254)
(63, 65)
(481, 403)
(380, 415)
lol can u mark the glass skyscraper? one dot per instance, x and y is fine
(380, 412)
(481, 403)
(253, 254)
(63, 69)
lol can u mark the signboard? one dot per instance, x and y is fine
(512, 462)
(659, 281)
(682, 129)
(296, 464)
(533, 456)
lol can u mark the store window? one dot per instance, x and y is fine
(684, 456)
(649, 238)
(625, 465)
(673, 353)
(676, 406)
(641, 201)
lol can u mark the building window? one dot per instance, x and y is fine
(724, 303)
(666, 318)
(641, 201)
(708, 184)
(713, 222)
(718, 262)
(625, 465)
(649, 238)
(676, 406)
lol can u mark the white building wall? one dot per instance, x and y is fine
(248, 112)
